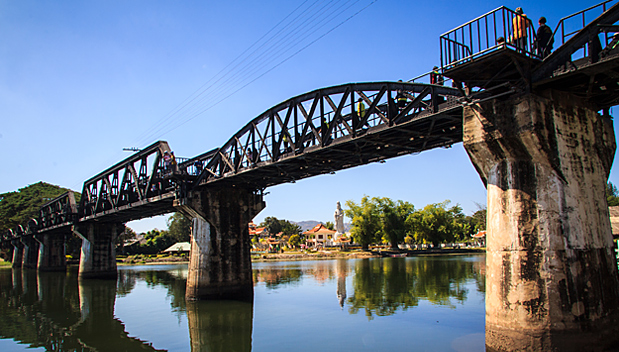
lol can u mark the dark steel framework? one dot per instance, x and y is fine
(327, 130)
(141, 185)
(58, 212)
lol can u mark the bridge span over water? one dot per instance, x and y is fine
(537, 129)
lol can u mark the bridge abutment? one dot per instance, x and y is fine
(98, 256)
(551, 280)
(220, 259)
(31, 253)
(51, 252)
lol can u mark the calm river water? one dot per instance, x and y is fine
(405, 304)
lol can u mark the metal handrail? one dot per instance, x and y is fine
(482, 35)
(561, 24)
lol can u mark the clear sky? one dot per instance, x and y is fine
(81, 80)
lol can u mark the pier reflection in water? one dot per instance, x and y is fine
(423, 303)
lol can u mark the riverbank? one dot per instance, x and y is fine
(303, 255)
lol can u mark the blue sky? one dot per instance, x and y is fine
(81, 80)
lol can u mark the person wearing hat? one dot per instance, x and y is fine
(167, 159)
(544, 39)
(519, 36)
(436, 77)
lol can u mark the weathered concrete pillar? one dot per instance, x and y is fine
(31, 253)
(51, 252)
(220, 260)
(551, 279)
(98, 256)
(18, 254)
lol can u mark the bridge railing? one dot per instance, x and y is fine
(570, 25)
(487, 33)
(194, 166)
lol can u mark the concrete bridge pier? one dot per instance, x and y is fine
(31, 253)
(51, 252)
(98, 255)
(220, 259)
(551, 280)
(18, 254)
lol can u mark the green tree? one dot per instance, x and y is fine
(477, 221)
(127, 235)
(294, 241)
(272, 225)
(612, 195)
(179, 227)
(329, 225)
(289, 228)
(393, 217)
(365, 221)
(156, 241)
(436, 224)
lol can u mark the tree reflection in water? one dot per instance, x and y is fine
(381, 287)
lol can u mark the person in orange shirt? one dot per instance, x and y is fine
(520, 24)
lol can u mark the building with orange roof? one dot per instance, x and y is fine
(319, 235)
(254, 230)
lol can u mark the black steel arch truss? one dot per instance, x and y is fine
(58, 212)
(136, 183)
(307, 125)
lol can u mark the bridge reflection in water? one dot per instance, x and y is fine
(59, 312)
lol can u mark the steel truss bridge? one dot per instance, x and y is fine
(339, 127)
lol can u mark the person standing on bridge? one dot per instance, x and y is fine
(520, 24)
(166, 161)
(173, 162)
(544, 39)
(436, 77)
(360, 109)
(401, 98)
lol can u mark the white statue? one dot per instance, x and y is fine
(339, 222)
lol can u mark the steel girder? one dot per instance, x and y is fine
(59, 212)
(324, 130)
(132, 189)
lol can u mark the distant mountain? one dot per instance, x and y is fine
(306, 225)
(309, 224)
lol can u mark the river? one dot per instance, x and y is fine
(425, 303)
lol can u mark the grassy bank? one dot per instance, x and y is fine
(298, 255)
